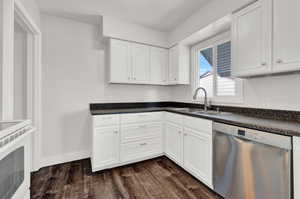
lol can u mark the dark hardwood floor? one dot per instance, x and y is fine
(153, 179)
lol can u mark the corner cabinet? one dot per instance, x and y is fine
(286, 32)
(121, 139)
(252, 40)
(173, 142)
(179, 65)
(159, 63)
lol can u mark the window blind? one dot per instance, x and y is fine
(225, 84)
(224, 59)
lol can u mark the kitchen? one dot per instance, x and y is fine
(112, 101)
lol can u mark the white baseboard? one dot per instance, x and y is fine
(63, 158)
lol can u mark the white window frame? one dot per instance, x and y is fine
(213, 43)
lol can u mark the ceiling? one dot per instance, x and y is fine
(163, 15)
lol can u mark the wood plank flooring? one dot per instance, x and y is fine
(159, 178)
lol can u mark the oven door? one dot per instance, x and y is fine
(15, 168)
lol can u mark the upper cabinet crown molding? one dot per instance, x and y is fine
(134, 63)
(265, 38)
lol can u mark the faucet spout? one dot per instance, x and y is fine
(205, 96)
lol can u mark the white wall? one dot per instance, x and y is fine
(33, 9)
(206, 15)
(74, 75)
(116, 28)
(20, 73)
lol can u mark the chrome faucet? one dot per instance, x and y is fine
(206, 105)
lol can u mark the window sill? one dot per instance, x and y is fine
(216, 101)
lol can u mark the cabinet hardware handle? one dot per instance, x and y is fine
(143, 126)
(279, 61)
(179, 132)
(143, 144)
(116, 132)
(264, 63)
(185, 134)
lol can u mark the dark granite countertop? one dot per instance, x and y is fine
(282, 127)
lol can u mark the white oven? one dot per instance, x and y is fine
(15, 159)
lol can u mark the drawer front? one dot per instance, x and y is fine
(106, 120)
(173, 117)
(141, 117)
(199, 124)
(142, 149)
(133, 133)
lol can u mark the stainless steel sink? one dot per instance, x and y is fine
(198, 111)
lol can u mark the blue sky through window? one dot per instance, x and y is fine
(204, 63)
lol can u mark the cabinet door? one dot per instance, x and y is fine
(105, 147)
(197, 153)
(286, 35)
(159, 61)
(251, 40)
(140, 55)
(296, 154)
(173, 65)
(119, 61)
(173, 142)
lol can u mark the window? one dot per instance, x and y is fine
(212, 70)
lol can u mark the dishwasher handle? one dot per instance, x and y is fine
(280, 141)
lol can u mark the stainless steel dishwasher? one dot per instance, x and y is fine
(249, 164)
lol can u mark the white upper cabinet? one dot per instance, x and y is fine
(134, 63)
(140, 59)
(179, 65)
(265, 38)
(173, 65)
(286, 32)
(252, 40)
(119, 57)
(159, 61)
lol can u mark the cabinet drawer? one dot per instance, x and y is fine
(138, 132)
(141, 117)
(105, 120)
(173, 117)
(141, 149)
(199, 124)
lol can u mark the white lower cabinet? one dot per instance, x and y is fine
(197, 153)
(134, 151)
(105, 148)
(296, 158)
(127, 138)
(173, 142)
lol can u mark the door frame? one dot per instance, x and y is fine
(33, 67)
